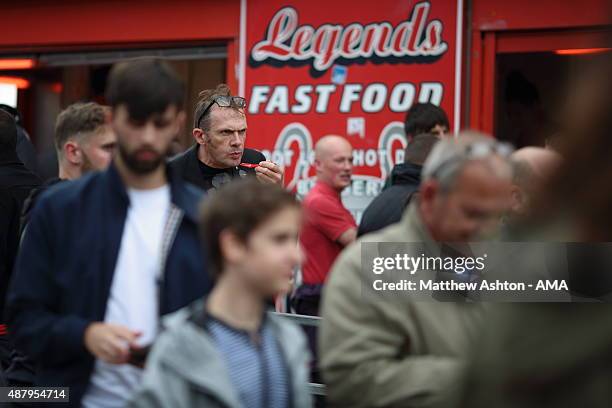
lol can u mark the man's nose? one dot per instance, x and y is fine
(149, 134)
(297, 256)
(236, 139)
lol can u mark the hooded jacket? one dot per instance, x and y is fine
(388, 207)
(186, 370)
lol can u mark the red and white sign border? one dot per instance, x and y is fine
(458, 59)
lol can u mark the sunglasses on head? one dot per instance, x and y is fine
(476, 151)
(224, 101)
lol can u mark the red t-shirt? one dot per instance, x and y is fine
(325, 219)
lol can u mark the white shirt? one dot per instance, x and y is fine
(133, 299)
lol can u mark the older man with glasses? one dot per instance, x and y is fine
(395, 349)
(219, 156)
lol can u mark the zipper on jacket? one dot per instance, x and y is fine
(173, 222)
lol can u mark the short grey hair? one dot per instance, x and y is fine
(450, 156)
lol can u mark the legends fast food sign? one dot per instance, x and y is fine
(349, 68)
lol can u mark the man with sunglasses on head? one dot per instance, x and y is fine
(219, 156)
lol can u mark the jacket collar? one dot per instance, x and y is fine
(203, 366)
(9, 157)
(413, 222)
(191, 171)
(180, 195)
(406, 173)
(14, 173)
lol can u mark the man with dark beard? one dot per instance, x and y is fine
(104, 256)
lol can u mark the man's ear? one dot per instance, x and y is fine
(199, 135)
(233, 250)
(518, 198)
(108, 115)
(428, 191)
(73, 153)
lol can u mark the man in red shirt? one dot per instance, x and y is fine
(328, 226)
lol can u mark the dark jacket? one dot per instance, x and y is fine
(16, 182)
(26, 151)
(187, 165)
(30, 202)
(65, 268)
(388, 207)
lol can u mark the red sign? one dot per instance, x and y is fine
(349, 68)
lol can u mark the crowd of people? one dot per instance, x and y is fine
(141, 281)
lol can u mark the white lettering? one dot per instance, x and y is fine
(324, 91)
(374, 98)
(349, 95)
(259, 95)
(302, 96)
(279, 100)
(402, 97)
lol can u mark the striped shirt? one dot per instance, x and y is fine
(256, 365)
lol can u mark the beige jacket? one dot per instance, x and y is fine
(392, 353)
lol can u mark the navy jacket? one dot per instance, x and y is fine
(389, 206)
(65, 267)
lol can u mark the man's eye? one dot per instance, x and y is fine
(281, 238)
(137, 123)
(477, 215)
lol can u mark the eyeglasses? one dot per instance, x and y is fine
(475, 151)
(483, 149)
(223, 101)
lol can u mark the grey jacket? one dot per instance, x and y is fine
(396, 352)
(185, 369)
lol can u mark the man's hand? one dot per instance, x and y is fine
(110, 342)
(268, 172)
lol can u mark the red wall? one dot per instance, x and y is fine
(73, 25)
(498, 15)
(29, 24)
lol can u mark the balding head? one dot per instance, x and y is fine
(541, 162)
(532, 166)
(334, 161)
(330, 144)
